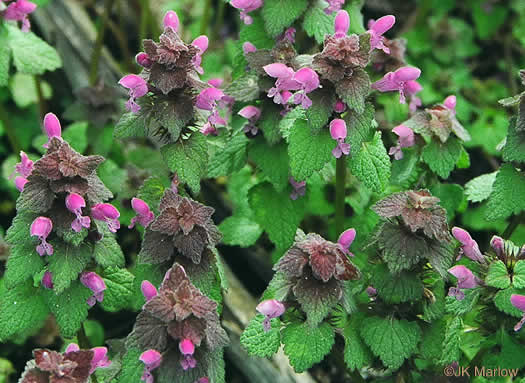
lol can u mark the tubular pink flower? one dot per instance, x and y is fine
(215, 82)
(411, 88)
(334, 6)
(148, 290)
(338, 133)
(18, 11)
(72, 347)
(450, 103)
(137, 88)
(397, 81)
(341, 24)
(376, 31)
(518, 301)
(308, 81)
(299, 188)
(270, 308)
(96, 284)
(143, 60)
(144, 214)
(47, 280)
(345, 240)
(469, 247)
(466, 280)
(246, 6)
(252, 114)
(171, 20)
(187, 348)
(107, 213)
(406, 140)
(51, 127)
(20, 182)
(289, 35)
(498, 244)
(339, 106)
(75, 203)
(41, 228)
(248, 47)
(25, 166)
(201, 43)
(151, 359)
(207, 99)
(100, 359)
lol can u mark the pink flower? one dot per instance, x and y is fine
(371, 291)
(96, 284)
(151, 359)
(338, 133)
(450, 103)
(148, 290)
(341, 24)
(498, 244)
(72, 347)
(75, 203)
(518, 301)
(47, 280)
(270, 308)
(406, 140)
(204, 379)
(201, 43)
(41, 228)
(308, 81)
(20, 182)
(345, 240)
(289, 35)
(208, 98)
(284, 82)
(376, 31)
(466, 280)
(209, 129)
(137, 88)
(339, 106)
(299, 188)
(397, 81)
(100, 359)
(469, 247)
(143, 60)
(52, 127)
(248, 47)
(25, 166)
(18, 11)
(334, 6)
(171, 20)
(246, 6)
(107, 213)
(187, 348)
(144, 214)
(215, 82)
(411, 88)
(252, 114)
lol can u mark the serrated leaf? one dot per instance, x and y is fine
(317, 23)
(450, 197)
(23, 261)
(390, 339)
(317, 299)
(107, 252)
(130, 125)
(277, 214)
(436, 309)
(354, 89)
(240, 231)
(508, 193)
(269, 123)
(478, 189)
(70, 308)
(319, 113)
(442, 157)
(259, 342)
(152, 191)
(66, 263)
(31, 54)
(112, 176)
(278, 288)
(431, 345)
(5, 56)
(308, 153)
(76, 135)
(272, 161)
(451, 351)
(23, 309)
(289, 121)
(305, 345)
(402, 287)
(360, 127)
(189, 158)
(119, 289)
(132, 367)
(371, 164)
(465, 305)
(502, 301)
(229, 158)
(497, 275)
(356, 353)
(514, 149)
(244, 88)
(280, 14)
(518, 274)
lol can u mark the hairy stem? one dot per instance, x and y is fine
(513, 224)
(11, 136)
(205, 21)
(40, 95)
(99, 43)
(340, 180)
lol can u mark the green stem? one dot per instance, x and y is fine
(83, 340)
(514, 223)
(40, 94)
(340, 180)
(205, 21)
(220, 19)
(11, 136)
(144, 20)
(99, 44)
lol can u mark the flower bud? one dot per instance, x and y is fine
(342, 23)
(148, 290)
(171, 20)
(47, 280)
(143, 60)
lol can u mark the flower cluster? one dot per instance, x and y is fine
(212, 99)
(18, 10)
(74, 365)
(185, 326)
(182, 224)
(304, 81)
